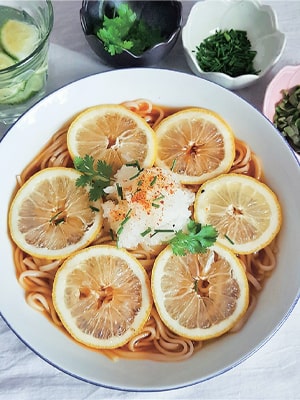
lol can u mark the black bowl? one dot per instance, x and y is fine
(167, 15)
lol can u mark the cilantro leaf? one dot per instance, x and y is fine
(97, 178)
(125, 32)
(196, 240)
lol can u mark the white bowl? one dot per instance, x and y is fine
(276, 300)
(260, 23)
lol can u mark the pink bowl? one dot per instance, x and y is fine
(286, 78)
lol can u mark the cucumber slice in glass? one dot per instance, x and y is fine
(7, 93)
(34, 84)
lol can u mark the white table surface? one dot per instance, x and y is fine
(271, 373)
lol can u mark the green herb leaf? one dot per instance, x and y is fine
(97, 178)
(125, 32)
(196, 240)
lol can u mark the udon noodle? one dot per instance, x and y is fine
(156, 341)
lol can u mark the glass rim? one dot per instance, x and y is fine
(25, 60)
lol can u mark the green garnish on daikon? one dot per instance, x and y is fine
(196, 239)
(126, 219)
(120, 191)
(135, 164)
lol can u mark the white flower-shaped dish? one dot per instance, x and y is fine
(259, 21)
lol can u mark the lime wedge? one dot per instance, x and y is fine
(18, 38)
(5, 61)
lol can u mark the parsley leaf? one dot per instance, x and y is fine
(196, 240)
(97, 178)
(125, 32)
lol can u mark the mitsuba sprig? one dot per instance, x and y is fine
(98, 177)
(196, 239)
(124, 31)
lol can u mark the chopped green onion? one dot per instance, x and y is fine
(112, 234)
(157, 199)
(53, 219)
(59, 221)
(136, 165)
(136, 175)
(126, 219)
(148, 230)
(173, 164)
(120, 191)
(227, 51)
(196, 280)
(96, 209)
(155, 205)
(229, 240)
(153, 181)
(162, 231)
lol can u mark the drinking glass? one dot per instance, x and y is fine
(23, 82)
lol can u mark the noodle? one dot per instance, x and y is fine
(153, 114)
(155, 342)
(245, 161)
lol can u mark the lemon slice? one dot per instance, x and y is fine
(200, 296)
(50, 217)
(196, 143)
(114, 134)
(102, 295)
(245, 211)
(18, 38)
